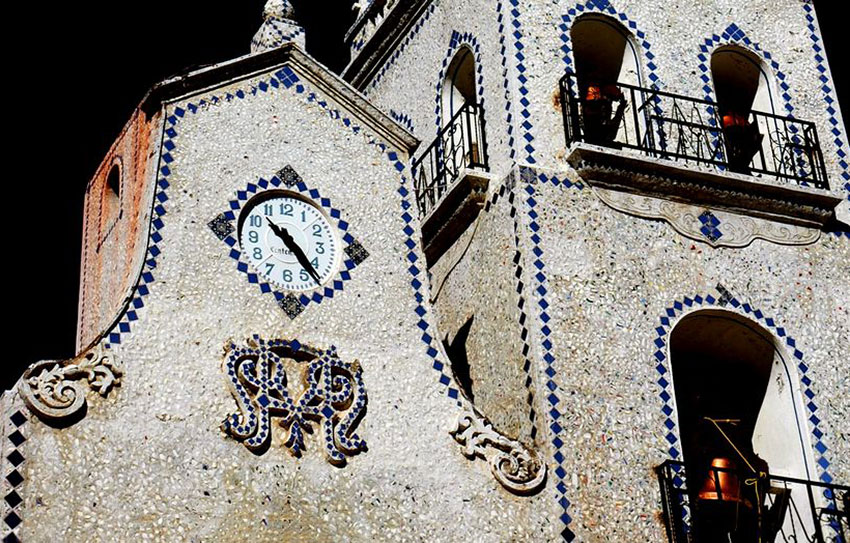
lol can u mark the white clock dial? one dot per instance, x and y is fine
(289, 241)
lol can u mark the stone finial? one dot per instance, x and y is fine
(279, 27)
(278, 9)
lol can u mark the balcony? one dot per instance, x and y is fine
(674, 147)
(450, 180)
(725, 504)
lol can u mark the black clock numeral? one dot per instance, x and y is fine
(303, 216)
(256, 221)
(287, 275)
(258, 253)
(304, 275)
(317, 231)
(315, 262)
(269, 268)
(320, 247)
(253, 236)
(268, 209)
(286, 210)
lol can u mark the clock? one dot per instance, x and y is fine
(289, 241)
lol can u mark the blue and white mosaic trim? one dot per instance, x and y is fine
(529, 177)
(291, 304)
(829, 96)
(522, 80)
(523, 316)
(400, 48)
(12, 464)
(403, 119)
(506, 85)
(725, 299)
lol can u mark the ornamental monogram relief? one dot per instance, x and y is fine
(327, 392)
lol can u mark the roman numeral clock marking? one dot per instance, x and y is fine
(289, 241)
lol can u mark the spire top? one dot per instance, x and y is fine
(279, 27)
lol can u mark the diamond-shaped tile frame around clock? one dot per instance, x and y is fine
(291, 303)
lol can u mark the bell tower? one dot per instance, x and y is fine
(571, 270)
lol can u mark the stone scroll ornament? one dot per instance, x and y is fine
(515, 466)
(56, 390)
(332, 396)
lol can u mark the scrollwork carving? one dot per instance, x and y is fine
(515, 466)
(56, 390)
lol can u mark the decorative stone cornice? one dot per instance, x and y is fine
(373, 38)
(56, 390)
(745, 195)
(516, 467)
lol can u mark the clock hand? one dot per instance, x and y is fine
(289, 241)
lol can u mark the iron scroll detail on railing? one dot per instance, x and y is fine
(739, 505)
(684, 129)
(459, 145)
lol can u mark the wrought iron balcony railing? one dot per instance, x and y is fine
(460, 145)
(741, 507)
(679, 128)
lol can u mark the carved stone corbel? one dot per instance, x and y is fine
(516, 467)
(55, 390)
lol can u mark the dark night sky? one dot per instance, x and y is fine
(76, 80)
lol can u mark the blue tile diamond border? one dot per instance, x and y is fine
(506, 79)
(508, 189)
(726, 300)
(403, 119)
(529, 177)
(829, 95)
(12, 477)
(830, 99)
(399, 49)
(293, 304)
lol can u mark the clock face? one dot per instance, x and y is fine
(289, 241)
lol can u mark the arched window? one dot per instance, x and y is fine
(112, 193)
(608, 71)
(738, 409)
(458, 84)
(604, 51)
(743, 87)
(461, 121)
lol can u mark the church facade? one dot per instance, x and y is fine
(523, 271)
